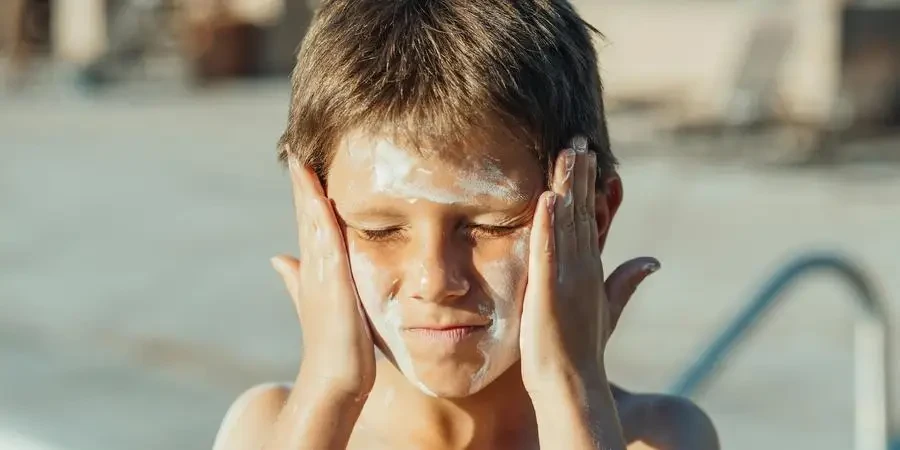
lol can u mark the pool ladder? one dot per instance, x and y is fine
(871, 330)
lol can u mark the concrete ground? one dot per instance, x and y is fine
(138, 301)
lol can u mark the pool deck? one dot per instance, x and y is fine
(138, 301)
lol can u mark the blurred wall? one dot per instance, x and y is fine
(690, 53)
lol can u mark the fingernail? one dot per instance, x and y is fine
(651, 267)
(579, 144)
(277, 264)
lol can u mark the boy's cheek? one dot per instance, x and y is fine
(507, 275)
(371, 283)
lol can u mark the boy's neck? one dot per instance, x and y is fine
(491, 418)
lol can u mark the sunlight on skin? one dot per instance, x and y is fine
(420, 277)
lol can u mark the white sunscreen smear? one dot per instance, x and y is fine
(400, 174)
(385, 314)
(395, 173)
(500, 347)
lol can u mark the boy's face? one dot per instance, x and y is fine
(439, 250)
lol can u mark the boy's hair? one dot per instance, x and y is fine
(437, 71)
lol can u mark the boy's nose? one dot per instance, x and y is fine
(436, 279)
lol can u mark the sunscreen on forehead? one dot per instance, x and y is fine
(398, 172)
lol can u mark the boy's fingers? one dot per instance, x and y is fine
(580, 190)
(542, 260)
(311, 182)
(623, 282)
(299, 202)
(289, 268)
(593, 238)
(306, 188)
(332, 261)
(563, 186)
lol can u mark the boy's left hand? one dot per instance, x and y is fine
(569, 313)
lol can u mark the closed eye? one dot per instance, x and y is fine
(492, 231)
(381, 235)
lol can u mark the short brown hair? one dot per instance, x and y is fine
(441, 69)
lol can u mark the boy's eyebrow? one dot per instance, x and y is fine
(373, 212)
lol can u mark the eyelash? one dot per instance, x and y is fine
(386, 234)
(473, 231)
(490, 231)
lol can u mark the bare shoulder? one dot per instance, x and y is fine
(250, 418)
(664, 422)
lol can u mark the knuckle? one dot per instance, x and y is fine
(582, 212)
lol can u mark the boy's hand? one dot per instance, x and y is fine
(339, 355)
(569, 312)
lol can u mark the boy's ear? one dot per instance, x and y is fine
(607, 204)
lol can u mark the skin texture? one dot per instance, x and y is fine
(436, 244)
(402, 248)
(649, 421)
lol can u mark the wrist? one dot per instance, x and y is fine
(317, 386)
(578, 382)
(577, 408)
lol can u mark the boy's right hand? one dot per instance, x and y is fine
(339, 355)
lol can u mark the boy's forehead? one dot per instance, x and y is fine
(482, 169)
(486, 155)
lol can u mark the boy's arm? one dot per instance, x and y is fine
(315, 418)
(274, 417)
(579, 414)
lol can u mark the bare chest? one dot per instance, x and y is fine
(365, 438)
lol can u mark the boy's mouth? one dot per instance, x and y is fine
(452, 334)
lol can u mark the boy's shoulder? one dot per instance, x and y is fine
(251, 416)
(664, 422)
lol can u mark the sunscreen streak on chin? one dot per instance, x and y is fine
(386, 315)
(395, 172)
(500, 346)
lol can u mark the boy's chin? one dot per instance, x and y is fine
(449, 387)
(451, 377)
(451, 381)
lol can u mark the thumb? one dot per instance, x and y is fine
(623, 282)
(289, 268)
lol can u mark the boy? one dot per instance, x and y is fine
(441, 224)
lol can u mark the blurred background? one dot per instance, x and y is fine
(140, 200)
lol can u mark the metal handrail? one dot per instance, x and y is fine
(871, 339)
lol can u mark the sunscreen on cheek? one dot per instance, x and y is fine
(500, 346)
(377, 295)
